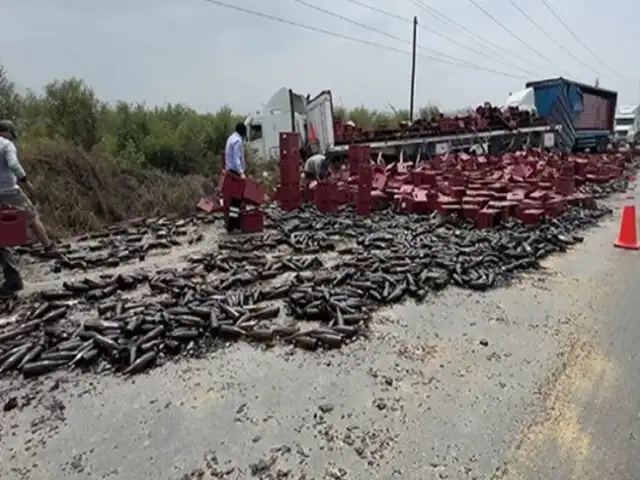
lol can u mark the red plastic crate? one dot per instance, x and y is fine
(14, 226)
(251, 221)
(253, 192)
(206, 205)
(232, 186)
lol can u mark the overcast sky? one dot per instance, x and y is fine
(204, 55)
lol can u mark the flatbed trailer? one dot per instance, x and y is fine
(493, 142)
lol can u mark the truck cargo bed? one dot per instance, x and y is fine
(586, 113)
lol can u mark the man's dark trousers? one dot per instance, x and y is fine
(234, 208)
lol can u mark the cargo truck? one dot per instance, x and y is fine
(584, 113)
(313, 119)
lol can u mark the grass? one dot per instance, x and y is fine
(77, 192)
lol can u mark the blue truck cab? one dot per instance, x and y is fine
(585, 113)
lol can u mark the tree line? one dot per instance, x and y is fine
(173, 138)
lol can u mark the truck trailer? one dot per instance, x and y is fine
(585, 113)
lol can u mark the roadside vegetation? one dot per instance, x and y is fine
(94, 163)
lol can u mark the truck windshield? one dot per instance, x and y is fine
(255, 132)
(624, 121)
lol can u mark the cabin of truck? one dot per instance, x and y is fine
(287, 111)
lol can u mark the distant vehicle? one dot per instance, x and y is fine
(585, 113)
(627, 125)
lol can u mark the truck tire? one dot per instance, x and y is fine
(602, 146)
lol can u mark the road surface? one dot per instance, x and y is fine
(537, 381)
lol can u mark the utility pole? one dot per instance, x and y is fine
(413, 68)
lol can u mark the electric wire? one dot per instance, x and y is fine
(577, 38)
(450, 59)
(375, 30)
(355, 39)
(510, 32)
(557, 43)
(439, 34)
(468, 33)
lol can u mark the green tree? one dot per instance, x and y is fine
(10, 101)
(72, 111)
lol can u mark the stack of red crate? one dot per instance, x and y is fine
(565, 183)
(251, 217)
(290, 196)
(326, 196)
(354, 157)
(365, 180)
(231, 187)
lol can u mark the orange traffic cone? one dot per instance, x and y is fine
(628, 235)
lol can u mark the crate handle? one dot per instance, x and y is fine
(7, 218)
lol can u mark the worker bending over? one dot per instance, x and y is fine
(318, 167)
(12, 178)
(235, 165)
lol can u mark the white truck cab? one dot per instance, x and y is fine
(288, 111)
(627, 124)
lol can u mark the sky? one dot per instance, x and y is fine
(206, 56)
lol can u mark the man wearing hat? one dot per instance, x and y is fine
(13, 180)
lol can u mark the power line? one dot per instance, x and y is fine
(506, 29)
(544, 32)
(450, 59)
(584, 45)
(306, 27)
(375, 30)
(353, 39)
(438, 34)
(466, 32)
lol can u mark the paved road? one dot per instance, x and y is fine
(592, 427)
(538, 381)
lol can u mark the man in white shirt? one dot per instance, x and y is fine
(13, 180)
(234, 150)
(235, 165)
(316, 167)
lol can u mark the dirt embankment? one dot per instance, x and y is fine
(78, 192)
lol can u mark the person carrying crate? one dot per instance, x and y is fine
(235, 165)
(13, 180)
